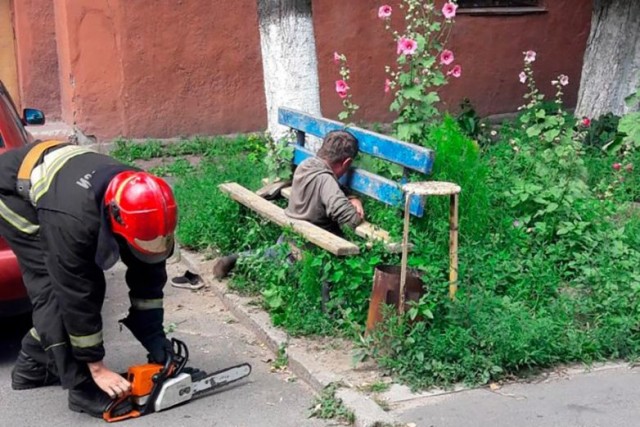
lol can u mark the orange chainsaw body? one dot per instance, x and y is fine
(142, 382)
(141, 378)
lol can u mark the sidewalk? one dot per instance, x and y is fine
(604, 395)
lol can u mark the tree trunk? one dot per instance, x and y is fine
(288, 58)
(611, 69)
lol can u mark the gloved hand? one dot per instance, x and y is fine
(159, 349)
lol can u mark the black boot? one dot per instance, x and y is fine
(28, 374)
(224, 265)
(88, 398)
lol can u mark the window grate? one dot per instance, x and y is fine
(497, 3)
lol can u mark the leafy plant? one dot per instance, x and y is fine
(630, 122)
(327, 406)
(422, 65)
(602, 133)
(278, 158)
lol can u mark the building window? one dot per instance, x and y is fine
(464, 4)
(500, 7)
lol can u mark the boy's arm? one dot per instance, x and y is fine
(337, 205)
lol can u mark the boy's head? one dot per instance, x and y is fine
(339, 148)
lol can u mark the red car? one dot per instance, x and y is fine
(13, 295)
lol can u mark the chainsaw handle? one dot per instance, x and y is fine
(108, 414)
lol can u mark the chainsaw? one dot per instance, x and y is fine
(156, 387)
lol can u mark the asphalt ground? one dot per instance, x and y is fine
(215, 340)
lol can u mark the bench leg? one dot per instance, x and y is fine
(453, 245)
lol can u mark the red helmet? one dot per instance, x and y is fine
(144, 213)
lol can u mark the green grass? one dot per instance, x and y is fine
(531, 295)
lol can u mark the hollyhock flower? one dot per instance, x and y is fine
(387, 86)
(586, 122)
(449, 10)
(523, 77)
(342, 88)
(455, 71)
(616, 166)
(336, 58)
(529, 56)
(564, 80)
(384, 12)
(407, 46)
(446, 57)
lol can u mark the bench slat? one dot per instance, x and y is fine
(368, 231)
(362, 181)
(320, 237)
(408, 155)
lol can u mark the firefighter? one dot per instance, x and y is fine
(70, 213)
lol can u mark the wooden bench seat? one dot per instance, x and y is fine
(316, 235)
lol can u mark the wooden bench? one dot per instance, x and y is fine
(408, 156)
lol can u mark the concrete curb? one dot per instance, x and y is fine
(367, 412)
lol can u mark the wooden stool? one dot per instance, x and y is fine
(432, 188)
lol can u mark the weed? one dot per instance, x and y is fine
(377, 387)
(282, 359)
(328, 406)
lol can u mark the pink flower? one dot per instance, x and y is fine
(529, 56)
(455, 71)
(387, 86)
(523, 77)
(384, 12)
(564, 80)
(341, 88)
(336, 58)
(407, 46)
(586, 122)
(616, 166)
(449, 10)
(446, 57)
(629, 167)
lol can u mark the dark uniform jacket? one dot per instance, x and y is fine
(68, 185)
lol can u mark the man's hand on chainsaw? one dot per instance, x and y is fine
(110, 382)
(159, 349)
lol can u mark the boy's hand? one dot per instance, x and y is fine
(358, 205)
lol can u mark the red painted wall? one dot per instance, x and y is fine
(160, 69)
(489, 48)
(174, 67)
(36, 56)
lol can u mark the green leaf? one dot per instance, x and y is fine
(533, 131)
(414, 92)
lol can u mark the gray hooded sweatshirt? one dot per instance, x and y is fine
(316, 197)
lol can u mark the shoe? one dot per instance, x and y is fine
(224, 265)
(188, 280)
(88, 398)
(28, 374)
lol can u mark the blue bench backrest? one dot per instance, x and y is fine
(409, 156)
